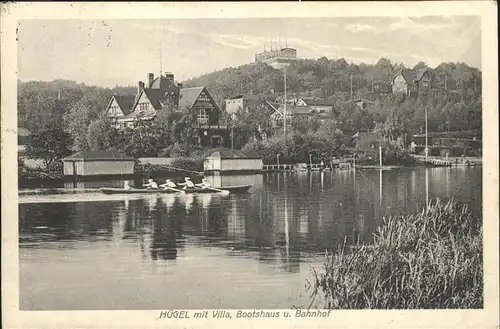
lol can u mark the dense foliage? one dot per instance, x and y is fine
(428, 260)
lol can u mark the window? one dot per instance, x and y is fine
(203, 117)
(143, 107)
(114, 111)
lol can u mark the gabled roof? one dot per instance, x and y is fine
(188, 96)
(420, 73)
(317, 102)
(155, 96)
(407, 75)
(162, 83)
(125, 103)
(275, 106)
(98, 155)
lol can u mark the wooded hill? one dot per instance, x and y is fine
(330, 78)
(457, 108)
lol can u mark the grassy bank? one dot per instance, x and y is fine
(427, 260)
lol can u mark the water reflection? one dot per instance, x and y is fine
(165, 230)
(285, 217)
(248, 250)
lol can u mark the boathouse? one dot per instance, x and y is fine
(232, 161)
(98, 163)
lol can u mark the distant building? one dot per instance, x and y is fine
(401, 83)
(278, 58)
(407, 83)
(235, 104)
(319, 105)
(296, 111)
(422, 81)
(98, 163)
(163, 93)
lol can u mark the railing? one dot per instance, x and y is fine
(281, 167)
(305, 167)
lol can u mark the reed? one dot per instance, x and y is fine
(428, 260)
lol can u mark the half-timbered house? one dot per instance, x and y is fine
(164, 93)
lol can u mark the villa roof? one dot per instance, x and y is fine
(188, 96)
(162, 83)
(125, 103)
(155, 96)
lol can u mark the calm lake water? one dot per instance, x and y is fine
(255, 250)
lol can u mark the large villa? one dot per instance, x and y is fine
(163, 92)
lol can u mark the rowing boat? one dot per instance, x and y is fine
(232, 189)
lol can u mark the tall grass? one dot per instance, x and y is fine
(432, 259)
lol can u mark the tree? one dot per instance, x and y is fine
(76, 123)
(50, 144)
(103, 136)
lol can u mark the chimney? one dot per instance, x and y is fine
(169, 76)
(179, 85)
(150, 80)
(140, 87)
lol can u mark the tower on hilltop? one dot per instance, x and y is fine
(277, 58)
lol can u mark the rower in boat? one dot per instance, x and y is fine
(151, 184)
(168, 184)
(187, 183)
(204, 183)
(126, 185)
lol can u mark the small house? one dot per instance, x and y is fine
(401, 83)
(98, 163)
(422, 82)
(318, 105)
(231, 161)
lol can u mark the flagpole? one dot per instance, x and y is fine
(426, 137)
(284, 109)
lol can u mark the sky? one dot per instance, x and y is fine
(122, 52)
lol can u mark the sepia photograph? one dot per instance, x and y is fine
(254, 164)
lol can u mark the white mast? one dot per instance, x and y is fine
(426, 137)
(380, 156)
(161, 51)
(284, 109)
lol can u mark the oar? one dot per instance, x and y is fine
(214, 189)
(174, 189)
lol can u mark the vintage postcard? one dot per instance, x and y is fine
(211, 165)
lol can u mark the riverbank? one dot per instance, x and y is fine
(428, 260)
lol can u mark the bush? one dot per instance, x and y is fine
(55, 171)
(188, 163)
(427, 260)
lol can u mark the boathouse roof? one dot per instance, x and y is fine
(232, 154)
(98, 156)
